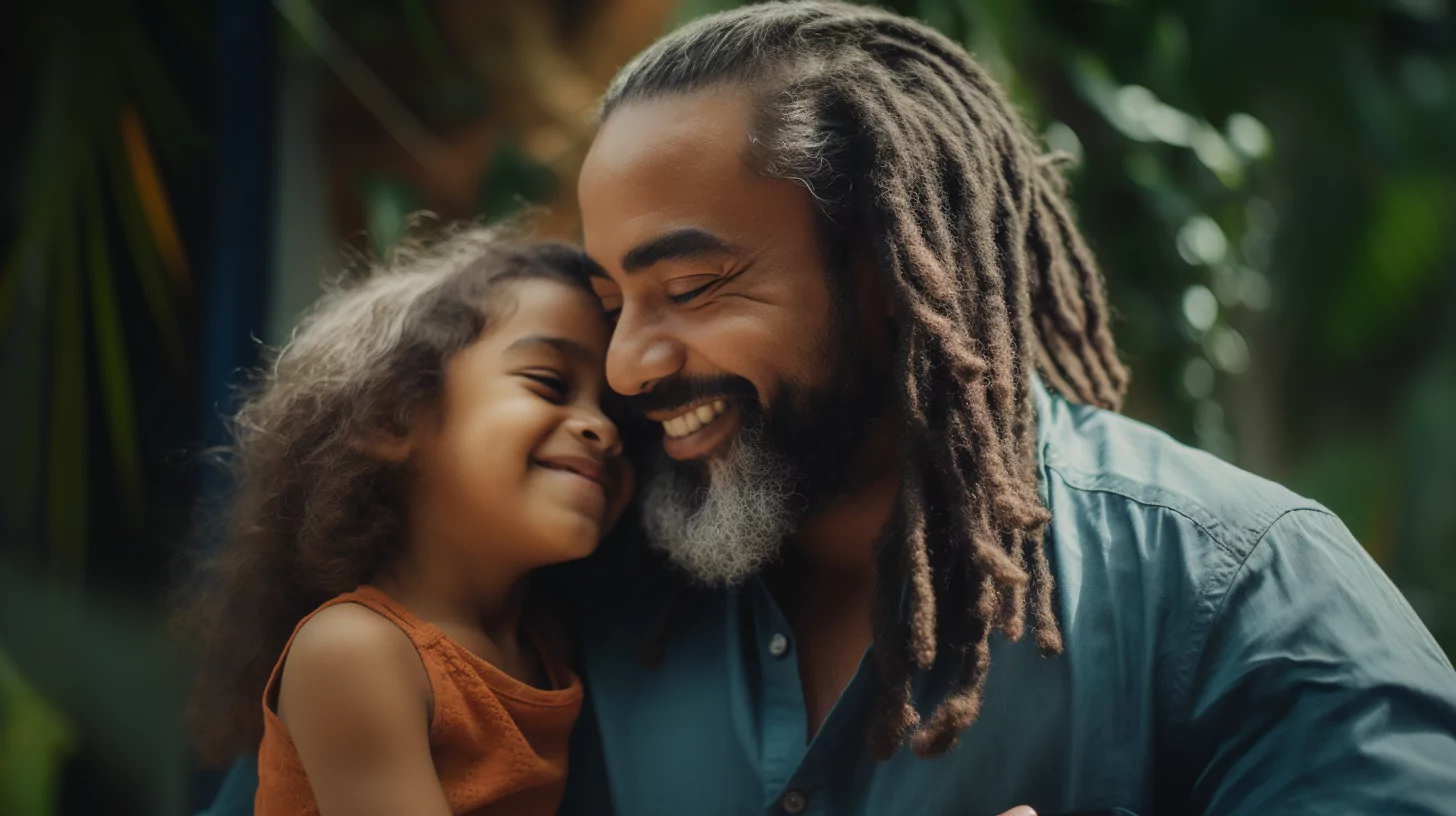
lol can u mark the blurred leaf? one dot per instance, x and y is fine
(513, 179)
(34, 742)
(152, 90)
(387, 205)
(108, 667)
(693, 9)
(425, 34)
(1353, 479)
(941, 14)
(153, 196)
(66, 468)
(9, 283)
(1425, 563)
(111, 358)
(23, 333)
(1400, 251)
(144, 258)
(1168, 54)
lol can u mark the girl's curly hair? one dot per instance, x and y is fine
(310, 515)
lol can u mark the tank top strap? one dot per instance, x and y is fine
(420, 633)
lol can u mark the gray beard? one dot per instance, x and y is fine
(726, 530)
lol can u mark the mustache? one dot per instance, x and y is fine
(678, 392)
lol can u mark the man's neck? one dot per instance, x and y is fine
(825, 584)
(837, 540)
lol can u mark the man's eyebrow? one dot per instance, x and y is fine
(566, 346)
(688, 242)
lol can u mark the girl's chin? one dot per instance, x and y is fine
(568, 541)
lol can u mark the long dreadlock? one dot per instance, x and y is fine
(895, 130)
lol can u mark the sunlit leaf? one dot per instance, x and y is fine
(156, 94)
(153, 197)
(155, 288)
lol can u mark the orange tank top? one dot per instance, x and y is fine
(499, 744)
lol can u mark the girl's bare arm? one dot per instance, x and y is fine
(354, 699)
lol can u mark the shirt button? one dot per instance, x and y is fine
(794, 802)
(778, 646)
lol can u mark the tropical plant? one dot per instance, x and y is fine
(94, 229)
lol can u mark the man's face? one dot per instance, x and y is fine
(730, 331)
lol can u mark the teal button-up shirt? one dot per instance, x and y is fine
(1230, 649)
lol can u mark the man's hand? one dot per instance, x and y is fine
(1020, 810)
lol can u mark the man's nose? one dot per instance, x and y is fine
(641, 354)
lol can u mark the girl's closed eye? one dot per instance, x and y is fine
(550, 385)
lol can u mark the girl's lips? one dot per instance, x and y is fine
(583, 466)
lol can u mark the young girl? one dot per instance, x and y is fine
(431, 435)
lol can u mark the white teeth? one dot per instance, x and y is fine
(694, 419)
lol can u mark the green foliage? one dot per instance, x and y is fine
(1398, 257)
(513, 180)
(34, 740)
(97, 81)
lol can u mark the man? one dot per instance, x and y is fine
(919, 567)
(842, 273)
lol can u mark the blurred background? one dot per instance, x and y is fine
(1270, 188)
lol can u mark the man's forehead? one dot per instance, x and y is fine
(663, 163)
(664, 166)
(705, 130)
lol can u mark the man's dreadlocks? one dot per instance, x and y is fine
(896, 131)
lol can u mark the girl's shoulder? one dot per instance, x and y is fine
(348, 633)
(351, 649)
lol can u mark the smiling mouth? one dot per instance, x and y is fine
(693, 419)
(590, 471)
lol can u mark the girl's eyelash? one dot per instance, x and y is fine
(551, 381)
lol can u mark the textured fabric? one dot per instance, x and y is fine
(1230, 649)
(499, 745)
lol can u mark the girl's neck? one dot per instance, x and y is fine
(431, 580)
(486, 622)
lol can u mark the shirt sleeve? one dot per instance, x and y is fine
(1316, 689)
(235, 797)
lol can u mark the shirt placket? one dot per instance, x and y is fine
(795, 774)
(784, 719)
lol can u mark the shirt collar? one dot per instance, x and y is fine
(1045, 404)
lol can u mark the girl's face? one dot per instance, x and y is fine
(520, 461)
